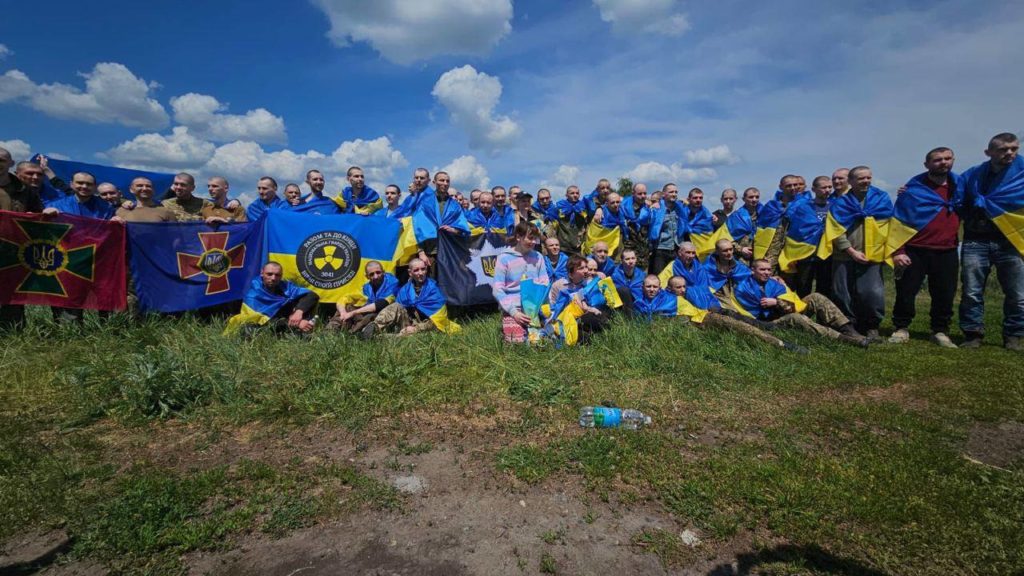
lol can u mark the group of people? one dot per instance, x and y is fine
(806, 258)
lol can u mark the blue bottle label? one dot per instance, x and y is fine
(607, 417)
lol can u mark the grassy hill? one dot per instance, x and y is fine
(892, 460)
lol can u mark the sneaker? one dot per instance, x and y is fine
(972, 341)
(873, 336)
(1013, 343)
(368, 332)
(940, 339)
(902, 335)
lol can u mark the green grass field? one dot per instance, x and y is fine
(853, 456)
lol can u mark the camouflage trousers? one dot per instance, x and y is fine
(821, 317)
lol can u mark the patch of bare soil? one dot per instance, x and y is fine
(996, 444)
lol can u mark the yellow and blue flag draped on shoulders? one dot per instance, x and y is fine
(657, 221)
(701, 229)
(480, 223)
(427, 216)
(1002, 198)
(768, 219)
(566, 309)
(430, 302)
(739, 225)
(387, 290)
(365, 203)
(612, 230)
(717, 279)
(563, 209)
(847, 211)
(748, 293)
(328, 254)
(669, 305)
(698, 285)
(259, 304)
(916, 207)
(803, 235)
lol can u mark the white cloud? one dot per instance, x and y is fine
(249, 161)
(19, 149)
(112, 95)
(178, 151)
(376, 157)
(657, 174)
(714, 156)
(204, 116)
(651, 16)
(470, 98)
(466, 173)
(5, 51)
(566, 175)
(406, 31)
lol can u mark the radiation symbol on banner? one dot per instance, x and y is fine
(44, 259)
(328, 260)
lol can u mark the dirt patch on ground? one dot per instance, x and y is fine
(996, 444)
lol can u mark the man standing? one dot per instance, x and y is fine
(798, 262)
(485, 219)
(276, 304)
(185, 206)
(357, 197)
(217, 212)
(667, 228)
(858, 251)
(23, 191)
(993, 193)
(145, 208)
(501, 204)
(742, 224)
(637, 216)
(110, 194)
(543, 204)
(718, 217)
(266, 188)
(571, 217)
(84, 201)
(292, 194)
(926, 212)
(774, 221)
(699, 226)
(840, 182)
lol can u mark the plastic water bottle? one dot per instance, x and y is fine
(601, 417)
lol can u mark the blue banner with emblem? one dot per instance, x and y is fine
(187, 266)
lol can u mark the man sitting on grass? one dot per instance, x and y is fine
(276, 304)
(419, 307)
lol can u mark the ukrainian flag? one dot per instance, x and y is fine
(1003, 201)
(259, 304)
(768, 220)
(847, 211)
(668, 304)
(803, 235)
(599, 233)
(430, 302)
(365, 204)
(327, 254)
(748, 293)
(567, 309)
(915, 208)
(701, 229)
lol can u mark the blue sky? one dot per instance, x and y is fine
(720, 94)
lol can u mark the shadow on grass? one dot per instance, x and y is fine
(811, 558)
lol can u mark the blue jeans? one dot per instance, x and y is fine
(977, 260)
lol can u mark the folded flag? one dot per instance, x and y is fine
(1002, 199)
(465, 267)
(192, 265)
(916, 207)
(748, 293)
(328, 254)
(69, 261)
(430, 302)
(847, 211)
(120, 177)
(532, 296)
(259, 305)
(803, 235)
